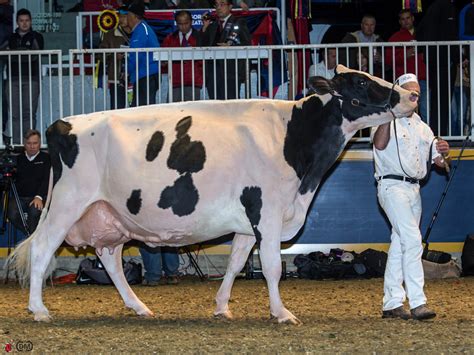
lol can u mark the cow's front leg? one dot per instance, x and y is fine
(241, 246)
(270, 256)
(113, 265)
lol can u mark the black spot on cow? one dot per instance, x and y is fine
(251, 199)
(186, 156)
(154, 145)
(92, 133)
(182, 127)
(313, 141)
(62, 146)
(182, 197)
(134, 202)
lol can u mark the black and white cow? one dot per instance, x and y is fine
(184, 173)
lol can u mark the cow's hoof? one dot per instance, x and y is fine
(146, 313)
(42, 317)
(286, 318)
(226, 315)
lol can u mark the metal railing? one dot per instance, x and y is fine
(31, 92)
(275, 72)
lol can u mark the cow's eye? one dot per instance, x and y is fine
(363, 82)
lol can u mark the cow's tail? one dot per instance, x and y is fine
(19, 261)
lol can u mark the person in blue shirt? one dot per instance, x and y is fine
(142, 68)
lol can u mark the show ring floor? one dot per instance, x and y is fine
(338, 316)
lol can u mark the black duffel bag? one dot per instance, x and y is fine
(92, 272)
(318, 266)
(467, 256)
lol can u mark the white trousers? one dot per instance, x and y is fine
(401, 202)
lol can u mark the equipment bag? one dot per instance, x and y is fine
(92, 272)
(467, 256)
(375, 262)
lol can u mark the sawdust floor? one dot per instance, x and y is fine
(338, 316)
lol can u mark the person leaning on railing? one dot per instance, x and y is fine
(142, 68)
(186, 75)
(22, 80)
(224, 30)
(120, 37)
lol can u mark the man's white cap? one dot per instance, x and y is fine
(407, 78)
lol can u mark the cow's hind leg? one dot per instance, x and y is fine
(113, 265)
(241, 246)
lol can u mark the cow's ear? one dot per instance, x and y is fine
(319, 85)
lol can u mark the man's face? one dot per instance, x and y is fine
(331, 60)
(132, 19)
(406, 21)
(223, 8)
(24, 23)
(32, 145)
(123, 21)
(368, 26)
(184, 23)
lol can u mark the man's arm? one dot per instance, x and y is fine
(382, 136)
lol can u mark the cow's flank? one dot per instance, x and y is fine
(154, 146)
(62, 145)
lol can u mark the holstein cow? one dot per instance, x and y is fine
(184, 173)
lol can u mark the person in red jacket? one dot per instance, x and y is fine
(186, 86)
(414, 61)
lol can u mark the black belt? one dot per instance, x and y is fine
(399, 177)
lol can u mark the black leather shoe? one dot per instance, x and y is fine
(398, 312)
(422, 312)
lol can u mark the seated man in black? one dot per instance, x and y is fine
(31, 180)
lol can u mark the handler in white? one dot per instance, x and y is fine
(398, 173)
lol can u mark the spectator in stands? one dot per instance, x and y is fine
(189, 87)
(322, 69)
(117, 38)
(31, 180)
(6, 29)
(246, 4)
(366, 34)
(460, 101)
(225, 30)
(24, 76)
(440, 24)
(466, 23)
(145, 84)
(91, 33)
(409, 58)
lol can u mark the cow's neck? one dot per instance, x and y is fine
(314, 139)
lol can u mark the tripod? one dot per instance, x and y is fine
(10, 188)
(194, 263)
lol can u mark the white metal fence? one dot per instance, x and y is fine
(261, 72)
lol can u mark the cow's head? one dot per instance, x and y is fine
(365, 100)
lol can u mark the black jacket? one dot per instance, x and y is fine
(213, 35)
(6, 24)
(29, 41)
(32, 177)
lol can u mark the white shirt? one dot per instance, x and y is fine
(320, 70)
(414, 140)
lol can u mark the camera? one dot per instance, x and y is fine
(207, 17)
(8, 162)
(233, 39)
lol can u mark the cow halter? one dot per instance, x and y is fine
(357, 103)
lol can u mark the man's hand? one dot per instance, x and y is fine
(206, 21)
(442, 147)
(37, 203)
